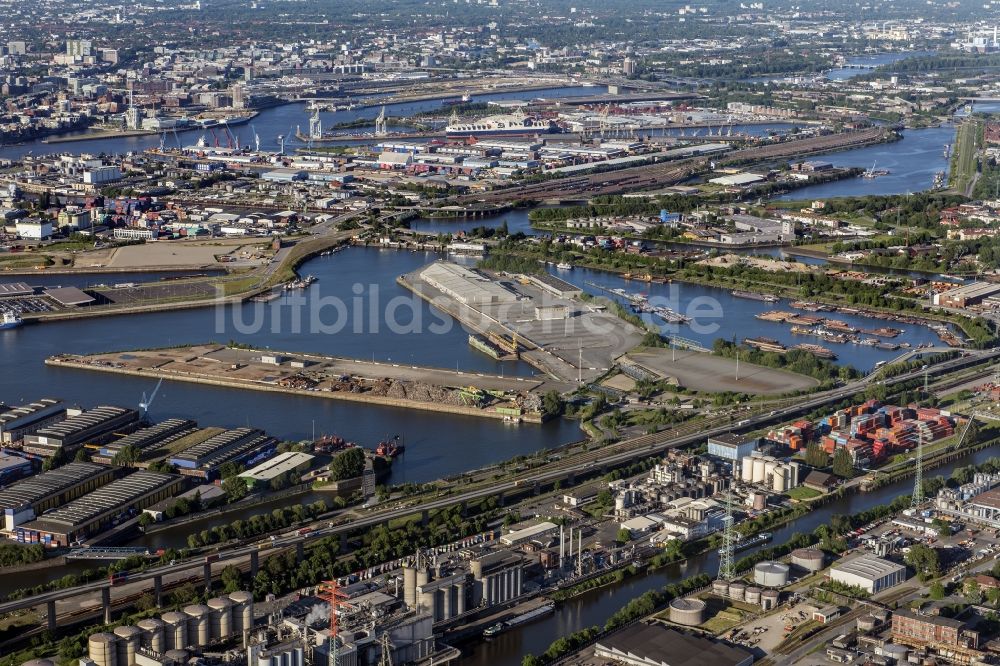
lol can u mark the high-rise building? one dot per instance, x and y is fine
(79, 47)
(239, 96)
(629, 67)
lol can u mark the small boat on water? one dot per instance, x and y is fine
(754, 296)
(10, 320)
(500, 627)
(390, 448)
(564, 266)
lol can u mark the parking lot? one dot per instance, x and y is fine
(20, 305)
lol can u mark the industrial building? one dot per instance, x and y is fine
(466, 285)
(98, 510)
(81, 427)
(280, 465)
(655, 645)
(26, 419)
(934, 631)
(13, 467)
(769, 472)
(555, 286)
(731, 447)
(26, 499)
(144, 439)
(978, 500)
(527, 534)
(966, 295)
(247, 445)
(870, 573)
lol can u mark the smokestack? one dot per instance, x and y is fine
(562, 545)
(579, 552)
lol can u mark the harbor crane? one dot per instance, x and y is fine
(145, 403)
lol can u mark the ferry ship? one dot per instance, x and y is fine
(500, 627)
(513, 124)
(10, 320)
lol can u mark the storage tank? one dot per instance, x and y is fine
(129, 640)
(867, 623)
(746, 469)
(737, 590)
(770, 574)
(897, 652)
(242, 611)
(175, 634)
(779, 482)
(752, 595)
(769, 467)
(102, 648)
(769, 599)
(222, 617)
(177, 657)
(688, 612)
(410, 587)
(720, 587)
(199, 624)
(810, 559)
(793, 474)
(758, 471)
(152, 634)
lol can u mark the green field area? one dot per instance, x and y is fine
(964, 162)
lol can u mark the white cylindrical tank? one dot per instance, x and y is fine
(410, 587)
(758, 471)
(779, 482)
(810, 559)
(769, 599)
(176, 657)
(175, 634)
(242, 611)
(720, 588)
(770, 574)
(152, 634)
(769, 467)
(222, 617)
(746, 469)
(687, 612)
(103, 649)
(129, 640)
(752, 595)
(793, 475)
(894, 651)
(199, 624)
(737, 590)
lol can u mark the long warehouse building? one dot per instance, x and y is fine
(27, 499)
(144, 439)
(26, 419)
(80, 427)
(246, 445)
(101, 509)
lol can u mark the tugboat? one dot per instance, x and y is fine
(10, 320)
(390, 448)
(331, 443)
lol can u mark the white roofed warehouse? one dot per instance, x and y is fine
(868, 572)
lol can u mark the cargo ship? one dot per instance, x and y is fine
(754, 296)
(743, 544)
(817, 351)
(514, 124)
(839, 326)
(500, 627)
(331, 443)
(480, 343)
(10, 320)
(766, 344)
(774, 315)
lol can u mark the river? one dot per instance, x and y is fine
(595, 607)
(271, 122)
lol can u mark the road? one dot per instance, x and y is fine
(89, 594)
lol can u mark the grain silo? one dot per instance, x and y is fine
(779, 482)
(129, 640)
(199, 624)
(242, 611)
(222, 617)
(409, 587)
(152, 634)
(688, 612)
(746, 469)
(758, 471)
(103, 649)
(176, 657)
(175, 630)
(771, 574)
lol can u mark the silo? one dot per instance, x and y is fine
(129, 640)
(103, 649)
(152, 634)
(746, 469)
(770, 574)
(222, 617)
(769, 599)
(737, 591)
(868, 623)
(199, 624)
(779, 482)
(410, 587)
(242, 611)
(769, 467)
(176, 657)
(720, 588)
(758, 471)
(897, 652)
(752, 595)
(175, 634)
(793, 474)
(688, 612)
(810, 559)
